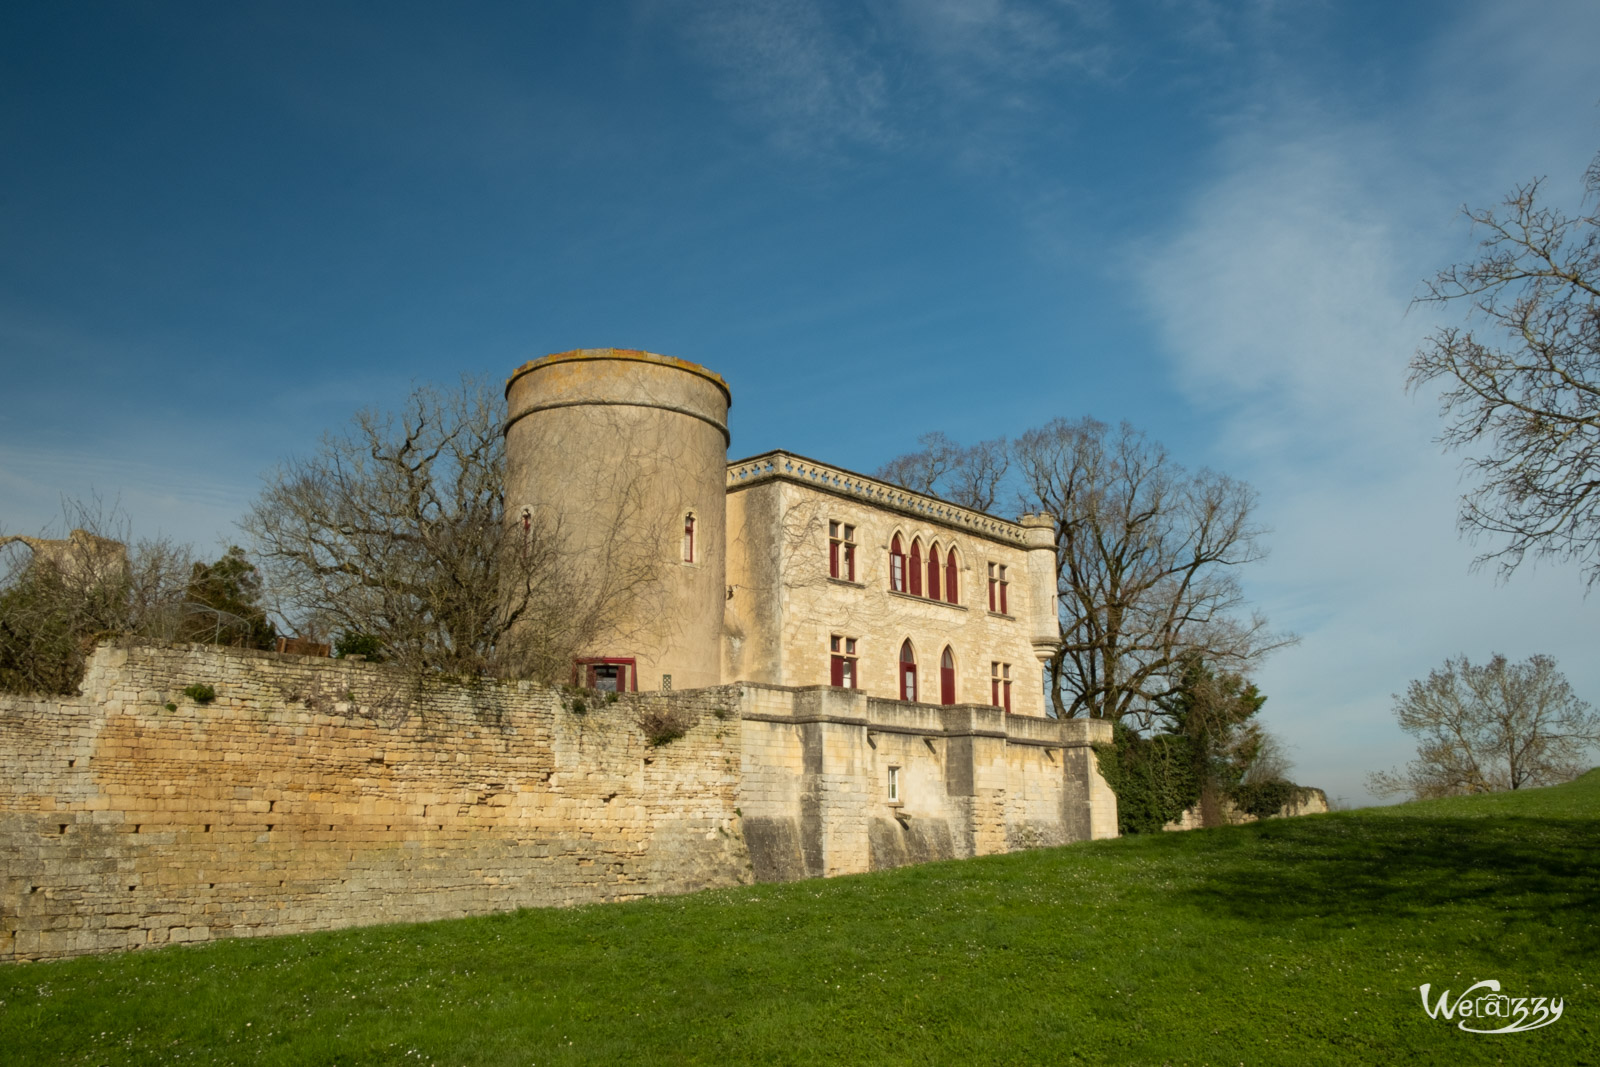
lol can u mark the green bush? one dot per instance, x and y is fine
(1154, 778)
(200, 694)
(1262, 799)
(352, 643)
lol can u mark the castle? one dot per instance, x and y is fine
(850, 672)
(787, 571)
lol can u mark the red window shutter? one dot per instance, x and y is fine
(916, 568)
(991, 594)
(1008, 697)
(994, 691)
(833, 559)
(950, 577)
(933, 573)
(1003, 610)
(838, 671)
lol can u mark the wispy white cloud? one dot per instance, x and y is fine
(1282, 294)
(785, 64)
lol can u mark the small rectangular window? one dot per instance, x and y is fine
(894, 785)
(688, 538)
(1000, 685)
(841, 551)
(997, 588)
(842, 661)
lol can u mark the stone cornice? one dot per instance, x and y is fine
(831, 479)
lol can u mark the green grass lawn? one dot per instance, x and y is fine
(1297, 941)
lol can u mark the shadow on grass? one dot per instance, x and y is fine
(1349, 868)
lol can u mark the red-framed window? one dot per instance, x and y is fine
(1000, 685)
(934, 572)
(947, 677)
(897, 566)
(606, 673)
(997, 588)
(915, 567)
(688, 538)
(842, 667)
(842, 551)
(908, 671)
(950, 576)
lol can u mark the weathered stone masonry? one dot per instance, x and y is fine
(315, 794)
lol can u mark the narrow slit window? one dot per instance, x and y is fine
(688, 538)
(897, 566)
(934, 572)
(894, 785)
(916, 567)
(947, 677)
(908, 672)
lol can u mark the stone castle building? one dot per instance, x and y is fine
(775, 569)
(807, 673)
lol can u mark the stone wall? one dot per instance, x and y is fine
(1312, 801)
(314, 793)
(972, 781)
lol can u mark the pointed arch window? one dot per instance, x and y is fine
(950, 577)
(897, 566)
(947, 677)
(916, 567)
(933, 572)
(908, 672)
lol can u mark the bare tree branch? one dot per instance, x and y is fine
(1525, 405)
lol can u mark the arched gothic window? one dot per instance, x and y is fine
(947, 677)
(897, 566)
(933, 572)
(908, 672)
(916, 567)
(950, 576)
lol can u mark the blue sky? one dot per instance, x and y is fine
(223, 228)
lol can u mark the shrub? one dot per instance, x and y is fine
(1154, 778)
(353, 643)
(662, 726)
(1262, 799)
(200, 694)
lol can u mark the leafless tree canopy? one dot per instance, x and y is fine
(1149, 565)
(1149, 555)
(397, 529)
(974, 477)
(1491, 727)
(58, 596)
(1522, 392)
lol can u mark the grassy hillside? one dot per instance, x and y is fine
(1293, 941)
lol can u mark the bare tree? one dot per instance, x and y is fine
(971, 476)
(58, 596)
(1490, 728)
(1149, 558)
(397, 529)
(1526, 390)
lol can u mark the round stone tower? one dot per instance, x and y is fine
(621, 456)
